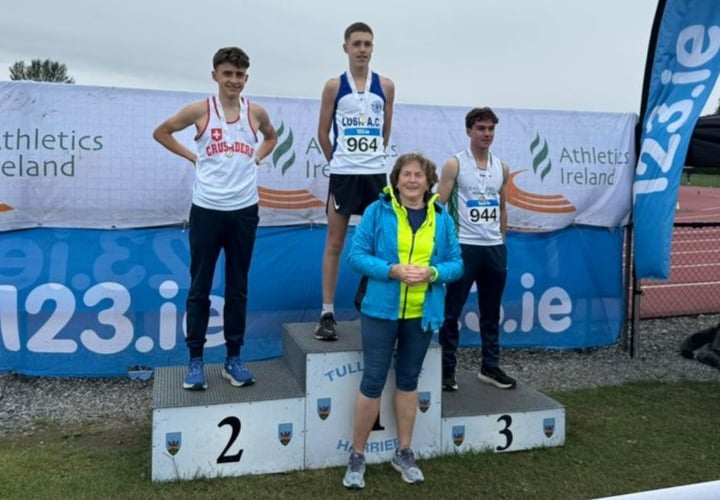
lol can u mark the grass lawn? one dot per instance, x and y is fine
(706, 177)
(619, 440)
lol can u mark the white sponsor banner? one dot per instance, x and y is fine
(84, 157)
(567, 167)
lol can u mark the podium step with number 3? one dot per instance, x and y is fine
(298, 415)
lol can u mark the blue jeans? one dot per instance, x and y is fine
(378, 340)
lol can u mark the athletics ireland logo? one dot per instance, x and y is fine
(541, 156)
(535, 202)
(283, 158)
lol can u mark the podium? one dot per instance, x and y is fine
(298, 415)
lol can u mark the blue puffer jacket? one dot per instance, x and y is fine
(375, 250)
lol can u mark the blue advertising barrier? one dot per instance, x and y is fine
(77, 302)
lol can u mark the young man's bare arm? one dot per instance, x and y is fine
(327, 103)
(192, 114)
(448, 176)
(389, 89)
(263, 124)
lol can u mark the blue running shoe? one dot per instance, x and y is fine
(355, 473)
(195, 378)
(234, 370)
(403, 461)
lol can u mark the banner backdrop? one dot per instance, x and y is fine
(77, 302)
(683, 66)
(83, 157)
(86, 291)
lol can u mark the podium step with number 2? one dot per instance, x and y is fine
(299, 413)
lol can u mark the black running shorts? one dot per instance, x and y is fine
(351, 194)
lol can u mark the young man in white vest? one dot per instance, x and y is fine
(358, 107)
(472, 184)
(224, 211)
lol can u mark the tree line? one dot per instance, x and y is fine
(40, 71)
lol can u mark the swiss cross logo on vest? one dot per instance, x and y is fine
(216, 134)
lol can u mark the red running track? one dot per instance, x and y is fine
(694, 283)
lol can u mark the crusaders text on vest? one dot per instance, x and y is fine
(226, 173)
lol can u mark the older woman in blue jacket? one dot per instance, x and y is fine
(406, 246)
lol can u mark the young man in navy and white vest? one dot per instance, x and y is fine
(224, 211)
(357, 106)
(472, 183)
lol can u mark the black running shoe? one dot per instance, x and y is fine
(449, 384)
(325, 330)
(497, 377)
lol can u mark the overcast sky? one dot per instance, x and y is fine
(586, 55)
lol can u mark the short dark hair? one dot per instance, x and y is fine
(355, 27)
(233, 55)
(427, 166)
(480, 114)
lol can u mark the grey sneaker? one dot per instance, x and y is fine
(403, 461)
(325, 330)
(497, 377)
(355, 474)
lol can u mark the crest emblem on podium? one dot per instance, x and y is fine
(173, 442)
(424, 401)
(324, 406)
(458, 434)
(285, 433)
(549, 426)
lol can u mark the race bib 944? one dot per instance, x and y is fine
(486, 211)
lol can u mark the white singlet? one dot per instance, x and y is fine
(358, 121)
(475, 200)
(226, 173)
